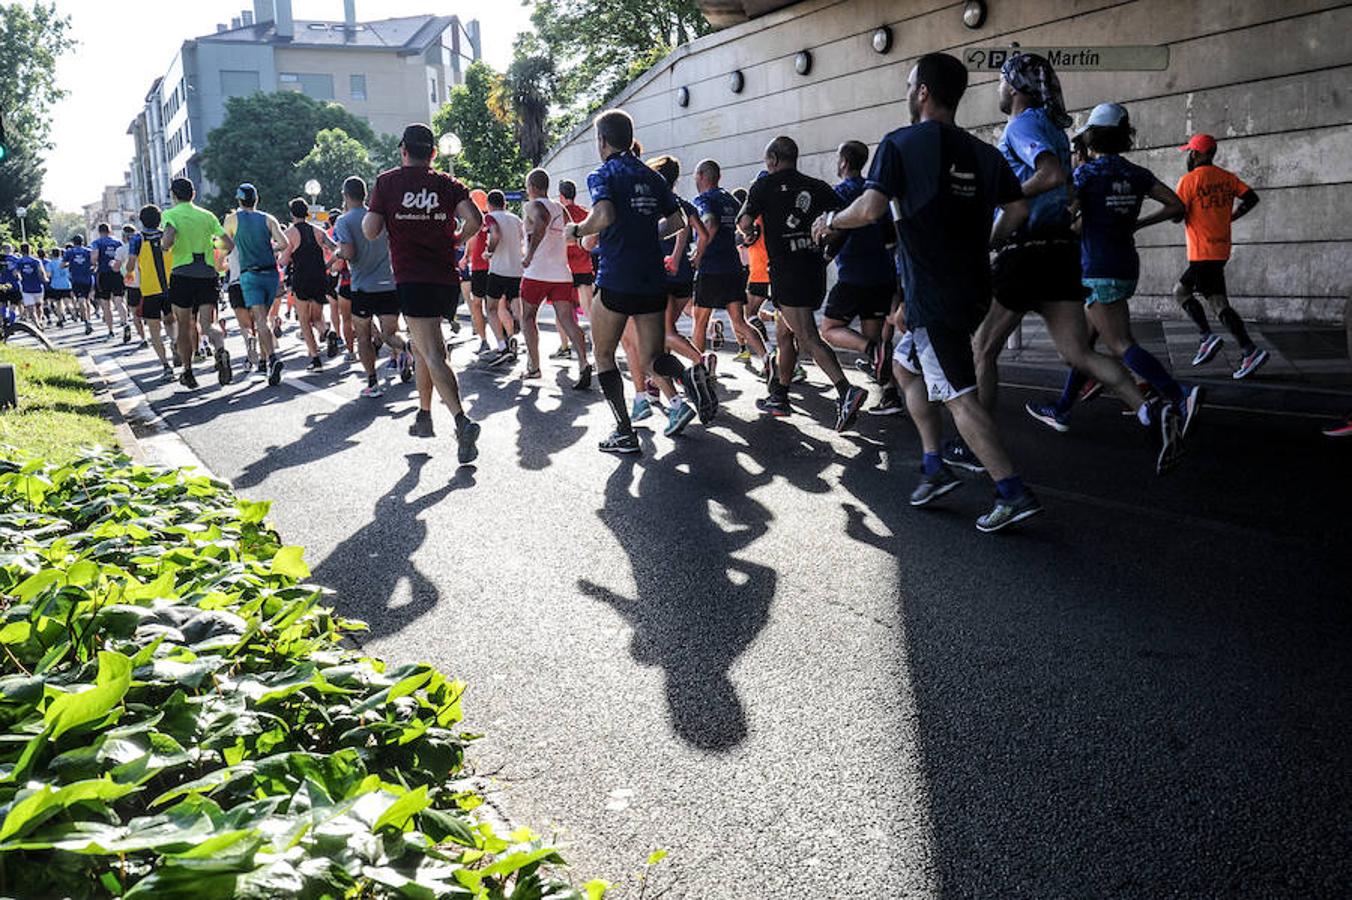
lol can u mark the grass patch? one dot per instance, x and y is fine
(57, 414)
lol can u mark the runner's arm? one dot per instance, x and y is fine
(1247, 201)
(167, 242)
(866, 209)
(372, 224)
(1050, 175)
(471, 220)
(278, 236)
(494, 236)
(536, 223)
(1011, 218)
(1171, 211)
(600, 218)
(702, 239)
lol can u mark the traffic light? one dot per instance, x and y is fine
(4, 143)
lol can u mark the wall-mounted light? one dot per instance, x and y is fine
(974, 13)
(802, 63)
(683, 96)
(882, 39)
(736, 81)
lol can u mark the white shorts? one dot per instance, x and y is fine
(32, 299)
(948, 368)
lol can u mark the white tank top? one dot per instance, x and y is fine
(506, 259)
(550, 262)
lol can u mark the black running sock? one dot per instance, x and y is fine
(461, 420)
(1235, 324)
(665, 365)
(1197, 314)
(841, 387)
(612, 385)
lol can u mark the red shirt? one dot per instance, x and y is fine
(579, 259)
(419, 209)
(477, 245)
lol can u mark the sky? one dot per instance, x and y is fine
(123, 47)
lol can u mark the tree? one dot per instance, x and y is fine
(595, 42)
(523, 95)
(332, 159)
(64, 224)
(262, 139)
(384, 152)
(490, 156)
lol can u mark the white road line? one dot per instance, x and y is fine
(157, 437)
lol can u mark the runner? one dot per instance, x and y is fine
(80, 262)
(680, 273)
(579, 259)
(866, 282)
(373, 292)
(948, 185)
(191, 231)
(546, 277)
(788, 202)
(1208, 193)
(58, 283)
(633, 208)
(132, 288)
(258, 238)
(720, 282)
(482, 314)
(502, 249)
(418, 206)
(109, 290)
(1110, 192)
(340, 299)
(32, 275)
(1039, 269)
(305, 247)
(151, 265)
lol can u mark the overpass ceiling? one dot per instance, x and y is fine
(722, 13)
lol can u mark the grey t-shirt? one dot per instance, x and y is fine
(371, 269)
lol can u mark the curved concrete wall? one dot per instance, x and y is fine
(1269, 79)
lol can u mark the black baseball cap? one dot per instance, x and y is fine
(418, 138)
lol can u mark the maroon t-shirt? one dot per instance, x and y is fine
(419, 209)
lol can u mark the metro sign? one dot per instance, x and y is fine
(1075, 58)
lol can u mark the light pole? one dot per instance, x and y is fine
(313, 187)
(22, 213)
(449, 146)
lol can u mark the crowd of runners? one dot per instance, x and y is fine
(941, 244)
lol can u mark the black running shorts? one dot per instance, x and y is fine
(1024, 276)
(863, 301)
(478, 283)
(583, 278)
(133, 297)
(1205, 277)
(627, 304)
(716, 291)
(109, 285)
(758, 289)
(366, 304)
(186, 292)
(236, 295)
(681, 290)
(155, 307)
(799, 287)
(422, 300)
(500, 286)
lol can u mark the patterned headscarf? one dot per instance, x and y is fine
(1033, 75)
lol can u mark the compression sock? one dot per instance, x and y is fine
(1198, 315)
(1010, 488)
(612, 385)
(1235, 324)
(932, 463)
(1144, 364)
(667, 366)
(841, 387)
(1075, 382)
(461, 419)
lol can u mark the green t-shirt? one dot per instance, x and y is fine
(194, 228)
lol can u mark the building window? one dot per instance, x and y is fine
(357, 86)
(314, 85)
(432, 85)
(238, 83)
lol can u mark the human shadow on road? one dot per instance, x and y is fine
(367, 568)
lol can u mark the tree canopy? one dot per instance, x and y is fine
(333, 158)
(263, 139)
(490, 156)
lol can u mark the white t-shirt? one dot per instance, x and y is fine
(119, 264)
(550, 262)
(506, 259)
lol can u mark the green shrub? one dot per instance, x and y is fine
(180, 716)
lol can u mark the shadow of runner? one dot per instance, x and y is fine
(367, 568)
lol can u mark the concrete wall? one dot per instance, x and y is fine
(1269, 79)
(397, 87)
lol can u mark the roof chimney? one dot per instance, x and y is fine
(350, 16)
(220, 26)
(235, 23)
(286, 25)
(246, 17)
(263, 11)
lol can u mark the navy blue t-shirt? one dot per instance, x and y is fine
(29, 271)
(80, 262)
(9, 276)
(629, 252)
(105, 251)
(685, 272)
(863, 258)
(1111, 191)
(720, 257)
(948, 185)
(1026, 137)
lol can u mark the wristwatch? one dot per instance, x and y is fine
(830, 219)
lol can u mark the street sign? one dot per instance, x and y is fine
(1075, 58)
(514, 196)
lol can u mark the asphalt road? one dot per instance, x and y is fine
(746, 649)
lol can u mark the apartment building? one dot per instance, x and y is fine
(388, 72)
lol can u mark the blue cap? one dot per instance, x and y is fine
(1105, 115)
(246, 191)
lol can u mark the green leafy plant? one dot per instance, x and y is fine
(181, 716)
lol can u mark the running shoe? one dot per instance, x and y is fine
(620, 442)
(1046, 414)
(188, 380)
(776, 404)
(1338, 429)
(168, 372)
(711, 363)
(275, 371)
(89, 329)
(889, 405)
(224, 374)
(642, 409)
(455, 325)
(584, 379)
(371, 390)
(332, 344)
(743, 354)
(847, 409)
(512, 346)
(1192, 403)
(466, 440)
(700, 391)
(957, 453)
(562, 353)
(422, 425)
(718, 336)
(1007, 512)
(316, 365)
(654, 392)
(1209, 347)
(770, 367)
(260, 370)
(1171, 439)
(1249, 364)
(799, 374)
(126, 334)
(277, 328)
(531, 374)
(484, 349)
(405, 367)
(349, 356)
(932, 487)
(680, 415)
(1092, 388)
